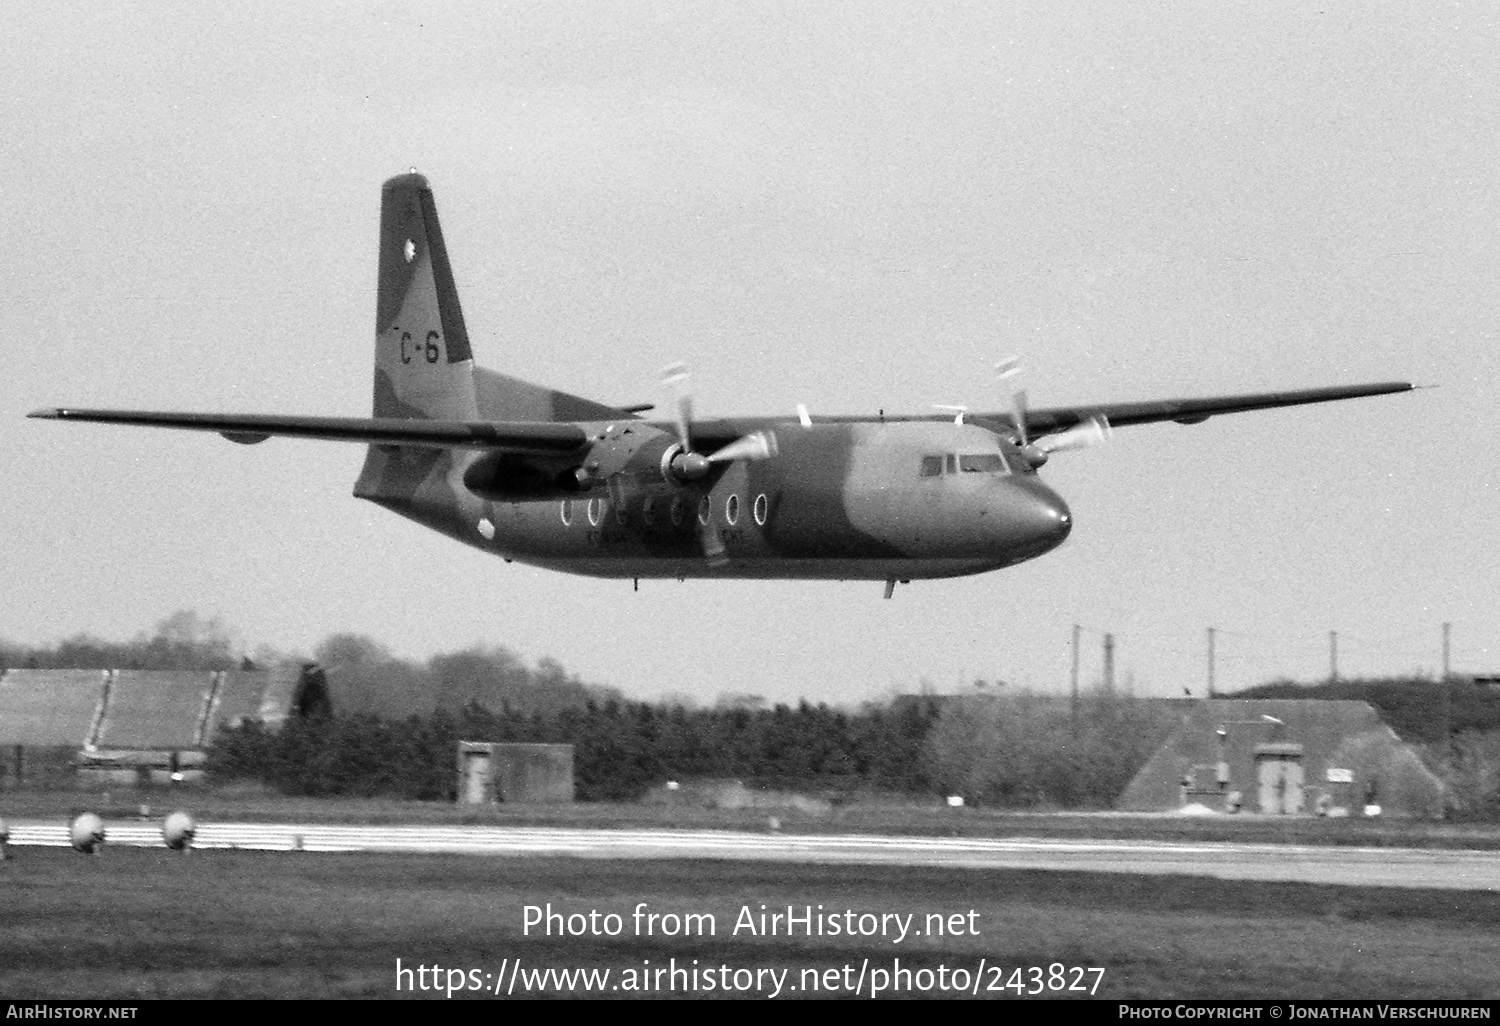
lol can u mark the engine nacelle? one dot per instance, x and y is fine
(506, 477)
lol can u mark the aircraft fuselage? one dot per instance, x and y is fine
(858, 501)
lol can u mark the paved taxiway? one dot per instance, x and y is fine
(1370, 867)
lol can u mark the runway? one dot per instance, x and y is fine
(1367, 867)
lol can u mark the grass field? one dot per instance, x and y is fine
(148, 923)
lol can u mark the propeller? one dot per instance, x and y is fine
(682, 464)
(1082, 435)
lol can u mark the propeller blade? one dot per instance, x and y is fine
(675, 377)
(713, 545)
(1080, 436)
(758, 445)
(616, 486)
(1007, 370)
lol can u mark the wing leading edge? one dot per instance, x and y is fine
(538, 437)
(1195, 411)
(1047, 420)
(551, 438)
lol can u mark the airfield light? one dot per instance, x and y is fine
(178, 830)
(955, 801)
(87, 833)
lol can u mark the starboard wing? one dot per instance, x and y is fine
(1049, 420)
(1193, 411)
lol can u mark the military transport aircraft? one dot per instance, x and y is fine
(558, 481)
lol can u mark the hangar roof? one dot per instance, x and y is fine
(169, 710)
(50, 707)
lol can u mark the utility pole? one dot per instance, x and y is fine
(1210, 662)
(1109, 664)
(1073, 694)
(1333, 656)
(1447, 686)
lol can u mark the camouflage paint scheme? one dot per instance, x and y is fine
(841, 500)
(544, 477)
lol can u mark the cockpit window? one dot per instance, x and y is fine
(966, 463)
(981, 463)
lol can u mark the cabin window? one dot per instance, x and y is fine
(567, 512)
(596, 511)
(932, 466)
(762, 505)
(705, 510)
(951, 463)
(981, 463)
(732, 508)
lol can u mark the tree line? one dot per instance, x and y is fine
(1018, 750)
(1008, 750)
(621, 749)
(396, 725)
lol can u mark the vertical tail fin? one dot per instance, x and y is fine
(424, 368)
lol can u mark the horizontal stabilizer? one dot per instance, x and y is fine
(520, 437)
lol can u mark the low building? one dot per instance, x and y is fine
(492, 771)
(1285, 757)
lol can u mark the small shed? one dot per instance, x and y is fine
(492, 771)
(1285, 757)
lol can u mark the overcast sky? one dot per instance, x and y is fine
(853, 206)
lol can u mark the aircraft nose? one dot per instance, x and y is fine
(1039, 520)
(1050, 519)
